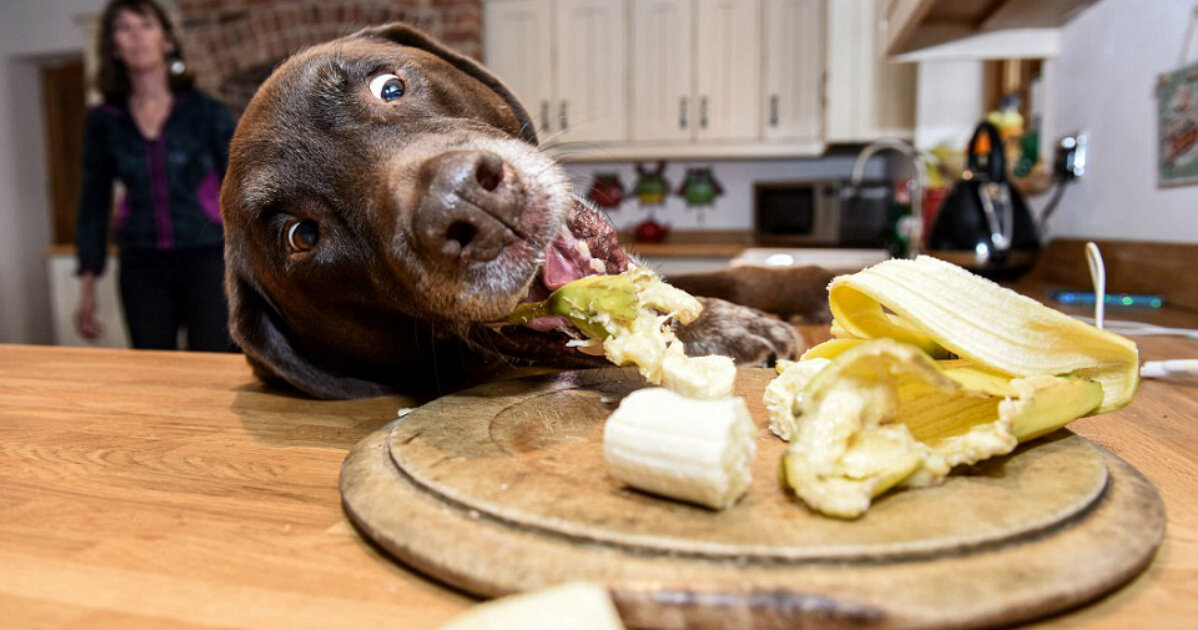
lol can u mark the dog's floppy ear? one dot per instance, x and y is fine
(406, 35)
(257, 328)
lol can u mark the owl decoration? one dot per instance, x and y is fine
(700, 187)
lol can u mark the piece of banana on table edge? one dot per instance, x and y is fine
(572, 605)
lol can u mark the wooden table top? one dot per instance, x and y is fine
(168, 490)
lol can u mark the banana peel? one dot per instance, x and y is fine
(948, 312)
(885, 413)
(933, 367)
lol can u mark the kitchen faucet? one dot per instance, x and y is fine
(914, 226)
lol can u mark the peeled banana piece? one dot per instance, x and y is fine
(574, 605)
(700, 451)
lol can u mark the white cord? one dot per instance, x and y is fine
(1098, 277)
(1150, 369)
(1172, 368)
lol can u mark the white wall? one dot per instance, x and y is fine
(949, 102)
(1103, 82)
(31, 32)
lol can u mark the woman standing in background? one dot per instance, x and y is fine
(168, 144)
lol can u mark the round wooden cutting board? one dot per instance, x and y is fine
(503, 488)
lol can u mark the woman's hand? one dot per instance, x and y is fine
(85, 318)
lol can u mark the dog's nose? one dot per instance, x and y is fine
(469, 209)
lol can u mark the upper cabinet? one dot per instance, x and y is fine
(638, 79)
(516, 47)
(728, 69)
(868, 97)
(566, 61)
(591, 70)
(975, 29)
(662, 71)
(696, 71)
(794, 71)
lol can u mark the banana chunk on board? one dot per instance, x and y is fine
(700, 451)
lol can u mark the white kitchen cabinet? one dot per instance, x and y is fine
(566, 62)
(662, 71)
(665, 79)
(591, 69)
(728, 69)
(519, 48)
(696, 70)
(867, 96)
(794, 71)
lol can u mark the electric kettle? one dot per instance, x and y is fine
(984, 224)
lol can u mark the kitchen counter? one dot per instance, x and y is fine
(153, 489)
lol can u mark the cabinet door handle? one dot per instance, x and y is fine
(564, 119)
(545, 116)
(703, 112)
(682, 113)
(773, 110)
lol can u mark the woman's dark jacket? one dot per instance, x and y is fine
(172, 183)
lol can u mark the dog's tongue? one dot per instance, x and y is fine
(566, 261)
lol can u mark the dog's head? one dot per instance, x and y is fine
(379, 187)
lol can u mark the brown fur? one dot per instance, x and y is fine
(433, 212)
(798, 295)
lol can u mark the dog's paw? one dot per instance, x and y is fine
(748, 335)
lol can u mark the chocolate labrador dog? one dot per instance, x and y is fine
(385, 202)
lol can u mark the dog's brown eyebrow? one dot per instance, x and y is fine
(259, 192)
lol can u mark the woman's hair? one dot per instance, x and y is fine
(112, 79)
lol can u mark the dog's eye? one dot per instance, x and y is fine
(303, 235)
(386, 87)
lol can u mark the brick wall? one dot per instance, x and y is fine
(232, 45)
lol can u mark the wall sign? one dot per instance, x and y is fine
(1177, 124)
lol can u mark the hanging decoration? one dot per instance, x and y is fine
(651, 185)
(607, 191)
(651, 190)
(700, 187)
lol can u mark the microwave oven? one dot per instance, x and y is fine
(830, 212)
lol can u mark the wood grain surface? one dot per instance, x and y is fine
(165, 490)
(503, 488)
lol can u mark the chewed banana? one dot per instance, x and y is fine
(944, 309)
(884, 413)
(699, 451)
(576, 605)
(628, 315)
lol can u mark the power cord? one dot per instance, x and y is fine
(1172, 368)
